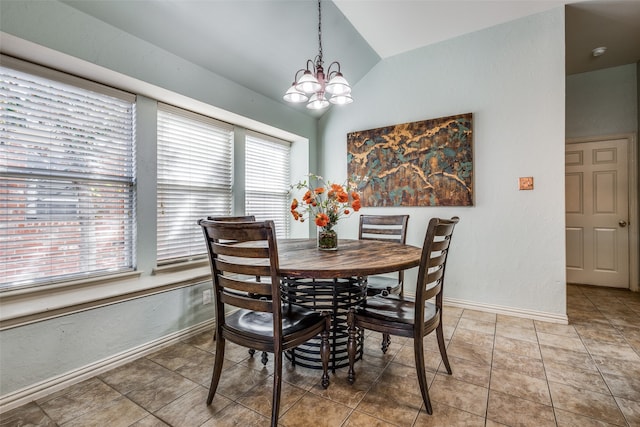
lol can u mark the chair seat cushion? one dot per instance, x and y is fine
(394, 308)
(294, 318)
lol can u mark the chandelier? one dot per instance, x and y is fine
(313, 85)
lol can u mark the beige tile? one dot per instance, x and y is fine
(118, 413)
(477, 325)
(149, 421)
(26, 415)
(514, 411)
(239, 379)
(520, 347)
(470, 352)
(317, 410)
(402, 379)
(602, 333)
(630, 409)
(341, 391)
(481, 316)
(406, 356)
(617, 351)
(203, 341)
(447, 416)
(259, 398)
(191, 409)
(303, 378)
(569, 419)
(468, 371)
(181, 354)
(396, 408)
(625, 386)
(237, 415)
(161, 391)
(559, 341)
(519, 322)
(458, 394)
(587, 403)
(134, 375)
(72, 402)
(621, 367)
(517, 363)
(516, 332)
(571, 358)
(360, 419)
(556, 329)
(468, 336)
(579, 378)
(520, 385)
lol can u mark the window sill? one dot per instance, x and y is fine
(24, 306)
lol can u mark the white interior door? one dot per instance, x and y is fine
(597, 213)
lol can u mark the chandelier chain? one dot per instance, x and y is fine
(319, 34)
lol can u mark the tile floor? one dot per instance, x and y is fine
(506, 371)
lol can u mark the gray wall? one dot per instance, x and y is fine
(603, 102)
(508, 251)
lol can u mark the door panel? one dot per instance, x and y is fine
(596, 191)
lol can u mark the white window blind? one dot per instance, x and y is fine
(67, 177)
(195, 159)
(267, 180)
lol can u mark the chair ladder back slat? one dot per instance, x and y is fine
(438, 260)
(250, 285)
(434, 275)
(432, 291)
(246, 302)
(237, 250)
(229, 266)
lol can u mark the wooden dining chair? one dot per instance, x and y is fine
(238, 252)
(389, 228)
(410, 317)
(244, 218)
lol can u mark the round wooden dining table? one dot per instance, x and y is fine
(335, 281)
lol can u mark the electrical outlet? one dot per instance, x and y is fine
(206, 296)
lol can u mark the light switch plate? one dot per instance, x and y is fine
(526, 183)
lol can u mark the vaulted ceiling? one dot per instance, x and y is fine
(260, 44)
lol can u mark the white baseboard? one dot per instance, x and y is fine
(51, 385)
(509, 311)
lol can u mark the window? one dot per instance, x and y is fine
(194, 180)
(267, 180)
(67, 177)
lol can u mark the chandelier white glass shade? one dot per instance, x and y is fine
(312, 85)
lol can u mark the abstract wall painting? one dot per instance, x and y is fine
(425, 163)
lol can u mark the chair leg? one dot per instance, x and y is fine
(324, 353)
(422, 375)
(265, 358)
(351, 344)
(386, 342)
(442, 347)
(277, 385)
(217, 369)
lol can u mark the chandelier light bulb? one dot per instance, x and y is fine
(294, 95)
(317, 102)
(338, 85)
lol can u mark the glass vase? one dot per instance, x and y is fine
(327, 240)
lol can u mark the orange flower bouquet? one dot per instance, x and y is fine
(325, 203)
